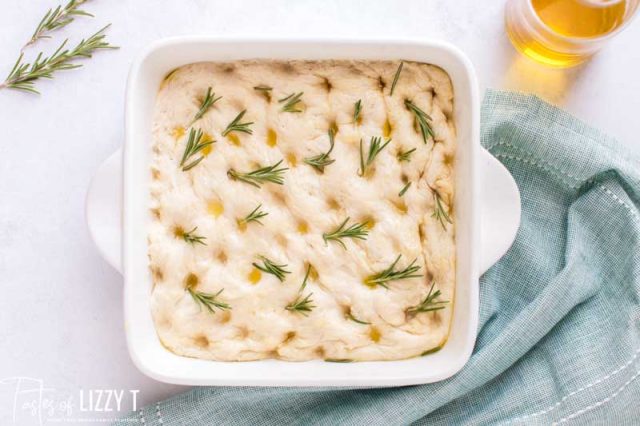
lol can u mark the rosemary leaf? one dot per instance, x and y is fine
(24, 75)
(354, 319)
(237, 126)
(439, 211)
(406, 155)
(265, 90)
(57, 18)
(422, 118)
(192, 238)
(291, 102)
(254, 216)
(208, 300)
(375, 147)
(357, 111)
(340, 360)
(429, 303)
(395, 78)
(357, 231)
(404, 189)
(272, 268)
(320, 161)
(207, 102)
(260, 176)
(195, 144)
(390, 274)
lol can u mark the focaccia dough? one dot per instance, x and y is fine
(308, 204)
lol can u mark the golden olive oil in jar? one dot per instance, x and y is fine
(563, 33)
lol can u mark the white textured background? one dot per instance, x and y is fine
(60, 309)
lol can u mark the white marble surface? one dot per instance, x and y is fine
(61, 314)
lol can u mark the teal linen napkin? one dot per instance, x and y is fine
(559, 337)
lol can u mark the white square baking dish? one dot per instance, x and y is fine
(104, 204)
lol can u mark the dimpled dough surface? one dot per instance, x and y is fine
(308, 204)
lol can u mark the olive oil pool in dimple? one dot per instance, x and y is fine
(581, 18)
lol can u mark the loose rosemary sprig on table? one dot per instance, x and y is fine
(207, 102)
(195, 144)
(404, 189)
(302, 305)
(23, 75)
(429, 304)
(395, 78)
(291, 102)
(260, 176)
(357, 111)
(237, 126)
(375, 147)
(357, 231)
(320, 161)
(390, 274)
(192, 238)
(406, 155)
(272, 268)
(422, 118)
(208, 300)
(254, 216)
(439, 211)
(57, 18)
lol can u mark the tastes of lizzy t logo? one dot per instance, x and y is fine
(27, 401)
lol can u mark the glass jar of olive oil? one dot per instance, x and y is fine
(563, 33)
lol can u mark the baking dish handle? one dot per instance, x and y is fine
(500, 210)
(103, 209)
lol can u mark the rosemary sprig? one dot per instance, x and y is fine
(291, 102)
(23, 75)
(207, 102)
(357, 230)
(422, 118)
(192, 238)
(429, 304)
(375, 147)
(404, 189)
(395, 78)
(272, 268)
(208, 300)
(237, 126)
(406, 155)
(57, 18)
(195, 144)
(354, 319)
(300, 304)
(389, 274)
(357, 111)
(254, 216)
(320, 161)
(262, 175)
(439, 211)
